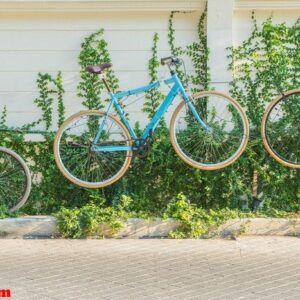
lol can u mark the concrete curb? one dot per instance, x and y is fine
(261, 226)
(135, 228)
(28, 227)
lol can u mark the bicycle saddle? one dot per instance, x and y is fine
(97, 69)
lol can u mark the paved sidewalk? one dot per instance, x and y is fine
(248, 268)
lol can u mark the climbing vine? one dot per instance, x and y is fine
(3, 118)
(265, 65)
(153, 97)
(175, 51)
(197, 51)
(60, 99)
(267, 62)
(48, 88)
(94, 51)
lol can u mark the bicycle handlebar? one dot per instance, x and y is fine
(171, 60)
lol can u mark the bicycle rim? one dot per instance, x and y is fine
(281, 129)
(15, 180)
(219, 145)
(77, 161)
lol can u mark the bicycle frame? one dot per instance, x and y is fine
(150, 128)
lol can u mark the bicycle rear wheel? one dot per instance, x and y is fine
(219, 145)
(75, 157)
(15, 180)
(280, 129)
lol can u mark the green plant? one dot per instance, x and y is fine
(175, 51)
(94, 51)
(152, 182)
(197, 51)
(194, 221)
(4, 213)
(153, 97)
(50, 189)
(60, 99)
(265, 65)
(162, 175)
(97, 220)
(93, 219)
(3, 117)
(48, 87)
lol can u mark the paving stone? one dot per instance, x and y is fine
(246, 268)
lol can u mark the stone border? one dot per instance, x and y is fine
(28, 227)
(261, 226)
(135, 228)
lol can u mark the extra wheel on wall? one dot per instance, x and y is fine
(223, 142)
(75, 157)
(280, 129)
(15, 180)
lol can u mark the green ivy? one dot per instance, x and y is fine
(153, 97)
(3, 118)
(94, 51)
(50, 190)
(94, 219)
(60, 99)
(197, 51)
(197, 222)
(48, 87)
(175, 51)
(97, 220)
(265, 65)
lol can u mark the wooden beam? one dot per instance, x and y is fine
(99, 5)
(267, 5)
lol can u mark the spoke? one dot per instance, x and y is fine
(93, 166)
(12, 180)
(217, 145)
(283, 129)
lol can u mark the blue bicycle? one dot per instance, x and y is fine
(208, 130)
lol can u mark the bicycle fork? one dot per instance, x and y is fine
(107, 148)
(196, 115)
(191, 106)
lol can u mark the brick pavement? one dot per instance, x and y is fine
(247, 268)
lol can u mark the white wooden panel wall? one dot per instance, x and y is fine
(32, 43)
(231, 27)
(243, 24)
(49, 42)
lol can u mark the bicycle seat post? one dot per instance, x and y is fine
(98, 69)
(105, 82)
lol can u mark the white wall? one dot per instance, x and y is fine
(230, 23)
(243, 25)
(44, 40)
(32, 43)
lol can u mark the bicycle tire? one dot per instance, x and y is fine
(226, 162)
(68, 173)
(264, 128)
(25, 172)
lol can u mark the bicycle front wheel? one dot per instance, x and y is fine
(281, 129)
(218, 145)
(15, 180)
(76, 158)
